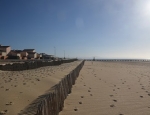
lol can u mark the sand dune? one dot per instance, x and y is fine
(110, 88)
(19, 88)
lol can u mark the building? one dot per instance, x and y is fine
(4, 51)
(7, 53)
(46, 56)
(31, 53)
(39, 56)
(24, 54)
(15, 53)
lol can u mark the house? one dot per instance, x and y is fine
(39, 56)
(15, 54)
(32, 55)
(24, 54)
(4, 50)
(46, 56)
(18, 54)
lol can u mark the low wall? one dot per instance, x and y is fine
(32, 65)
(52, 102)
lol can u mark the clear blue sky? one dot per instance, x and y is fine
(83, 28)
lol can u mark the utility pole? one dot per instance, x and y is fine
(54, 51)
(64, 54)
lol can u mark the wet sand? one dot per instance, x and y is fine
(18, 89)
(110, 88)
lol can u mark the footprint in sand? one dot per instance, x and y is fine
(143, 88)
(6, 89)
(75, 109)
(24, 83)
(115, 100)
(111, 95)
(141, 96)
(9, 103)
(80, 102)
(3, 112)
(37, 79)
(89, 91)
(82, 96)
(91, 95)
(112, 105)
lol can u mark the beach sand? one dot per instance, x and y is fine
(110, 88)
(18, 89)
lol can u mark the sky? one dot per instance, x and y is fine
(80, 28)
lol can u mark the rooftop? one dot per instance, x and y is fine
(28, 49)
(4, 46)
(17, 51)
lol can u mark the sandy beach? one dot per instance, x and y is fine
(18, 89)
(110, 88)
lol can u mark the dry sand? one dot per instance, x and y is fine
(19, 88)
(110, 88)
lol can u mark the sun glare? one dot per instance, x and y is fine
(146, 9)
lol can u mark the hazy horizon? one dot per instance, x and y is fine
(82, 28)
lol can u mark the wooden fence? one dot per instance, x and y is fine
(53, 103)
(32, 65)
